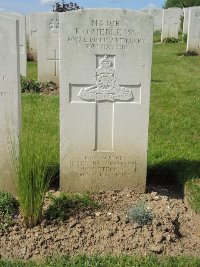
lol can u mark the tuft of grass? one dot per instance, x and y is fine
(8, 209)
(33, 178)
(62, 206)
(38, 159)
(139, 214)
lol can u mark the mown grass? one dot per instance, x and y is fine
(40, 120)
(174, 133)
(109, 261)
(32, 70)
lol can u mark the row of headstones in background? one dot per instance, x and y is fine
(43, 36)
(9, 100)
(104, 98)
(22, 40)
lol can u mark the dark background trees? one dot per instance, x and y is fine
(64, 7)
(181, 3)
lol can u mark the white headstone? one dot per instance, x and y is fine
(193, 40)
(157, 18)
(22, 40)
(48, 47)
(171, 23)
(32, 27)
(185, 20)
(105, 74)
(9, 99)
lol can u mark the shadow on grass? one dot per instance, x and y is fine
(173, 174)
(157, 81)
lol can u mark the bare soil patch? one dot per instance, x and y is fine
(174, 230)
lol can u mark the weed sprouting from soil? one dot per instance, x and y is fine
(8, 209)
(61, 206)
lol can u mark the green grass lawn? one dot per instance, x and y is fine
(109, 261)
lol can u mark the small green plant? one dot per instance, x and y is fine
(170, 40)
(61, 206)
(139, 214)
(8, 209)
(30, 86)
(33, 86)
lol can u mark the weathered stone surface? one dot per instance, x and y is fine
(105, 73)
(22, 39)
(9, 100)
(171, 23)
(48, 47)
(193, 40)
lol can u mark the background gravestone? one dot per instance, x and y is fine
(9, 99)
(186, 20)
(193, 40)
(157, 18)
(22, 40)
(48, 47)
(32, 34)
(105, 73)
(171, 23)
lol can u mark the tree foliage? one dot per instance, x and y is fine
(64, 7)
(181, 3)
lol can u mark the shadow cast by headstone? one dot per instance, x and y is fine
(171, 176)
(157, 81)
(54, 173)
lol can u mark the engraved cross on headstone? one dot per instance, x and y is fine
(105, 93)
(55, 59)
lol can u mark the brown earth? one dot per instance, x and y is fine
(174, 230)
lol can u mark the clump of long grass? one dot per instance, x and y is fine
(34, 174)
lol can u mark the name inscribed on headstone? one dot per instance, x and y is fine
(105, 34)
